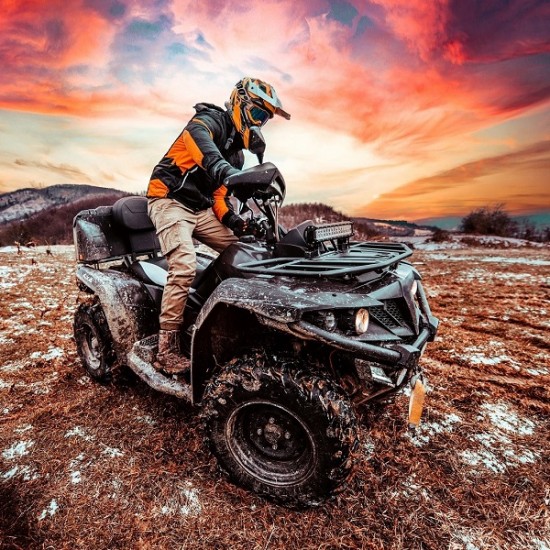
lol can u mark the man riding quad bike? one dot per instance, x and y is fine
(286, 331)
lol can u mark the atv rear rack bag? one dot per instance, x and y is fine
(357, 259)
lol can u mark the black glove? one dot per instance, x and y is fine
(237, 225)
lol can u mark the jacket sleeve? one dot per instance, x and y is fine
(222, 207)
(198, 137)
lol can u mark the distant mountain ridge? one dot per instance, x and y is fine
(24, 203)
(45, 215)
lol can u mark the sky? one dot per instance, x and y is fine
(401, 109)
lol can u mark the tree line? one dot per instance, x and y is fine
(494, 220)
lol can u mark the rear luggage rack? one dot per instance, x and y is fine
(358, 258)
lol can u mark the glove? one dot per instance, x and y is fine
(237, 225)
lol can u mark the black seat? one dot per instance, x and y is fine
(131, 214)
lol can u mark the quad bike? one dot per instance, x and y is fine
(287, 332)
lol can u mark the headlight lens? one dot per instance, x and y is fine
(414, 289)
(361, 321)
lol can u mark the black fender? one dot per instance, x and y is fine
(260, 301)
(128, 307)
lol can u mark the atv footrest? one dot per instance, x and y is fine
(141, 359)
(146, 349)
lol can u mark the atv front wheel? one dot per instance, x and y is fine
(93, 341)
(279, 430)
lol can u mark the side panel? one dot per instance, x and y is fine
(128, 307)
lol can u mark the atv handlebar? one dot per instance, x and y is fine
(262, 182)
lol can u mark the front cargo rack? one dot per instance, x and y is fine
(358, 258)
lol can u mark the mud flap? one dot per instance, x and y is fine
(416, 401)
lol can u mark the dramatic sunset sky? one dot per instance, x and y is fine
(401, 109)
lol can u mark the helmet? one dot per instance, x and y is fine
(253, 102)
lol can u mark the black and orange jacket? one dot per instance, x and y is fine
(203, 155)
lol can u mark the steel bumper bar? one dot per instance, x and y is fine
(401, 355)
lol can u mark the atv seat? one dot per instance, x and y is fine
(131, 214)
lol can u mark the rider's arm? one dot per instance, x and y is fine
(198, 138)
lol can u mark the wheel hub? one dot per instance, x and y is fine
(273, 432)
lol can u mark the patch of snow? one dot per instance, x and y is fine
(42, 387)
(426, 429)
(465, 539)
(185, 504)
(17, 450)
(76, 477)
(147, 419)
(410, 488)
(4, 385)
(497, 452)
(77, 431)
(112, 452)
(502, 417)
(24, 305)
(12, 366)
(52, 353)
(539, 544)
(10, 473)
(22, 429)
(484, 457)
(26, 473)
(490, 259)
(76, 466)
(538, 372)
(51, 510)
(480, 359)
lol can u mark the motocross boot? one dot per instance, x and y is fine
(169, 356)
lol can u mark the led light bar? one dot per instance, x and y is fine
(319, 233)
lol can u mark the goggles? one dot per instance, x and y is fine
(257, 116)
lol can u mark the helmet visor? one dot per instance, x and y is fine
(257, 116)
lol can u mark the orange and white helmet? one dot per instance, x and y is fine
(253, 102)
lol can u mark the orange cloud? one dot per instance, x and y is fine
(488, 180)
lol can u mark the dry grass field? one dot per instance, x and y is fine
(121, 466)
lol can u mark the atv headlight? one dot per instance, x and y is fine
(361, 321)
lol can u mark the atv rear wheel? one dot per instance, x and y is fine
(279, 430)
(93, 341)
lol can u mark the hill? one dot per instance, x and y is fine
(44, 216)
(23, 203)
(365, 228)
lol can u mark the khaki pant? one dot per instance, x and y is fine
(176, 226)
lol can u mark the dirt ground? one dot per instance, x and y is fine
(121, 466)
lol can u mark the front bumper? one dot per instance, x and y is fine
(398, 356)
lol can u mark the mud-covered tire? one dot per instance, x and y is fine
(93, 341)
(279, 430)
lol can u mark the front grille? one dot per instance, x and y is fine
(390, 314)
